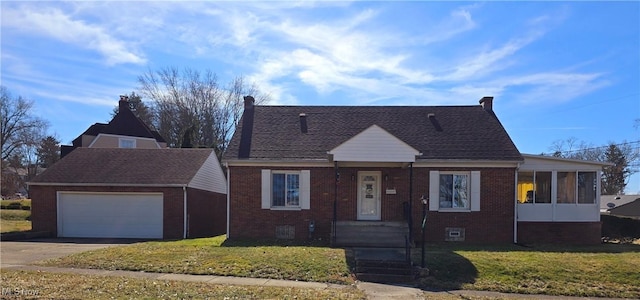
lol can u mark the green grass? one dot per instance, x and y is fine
(608, 270)
(209, 256)
(44, 285)
(598, 271)
(14, 220)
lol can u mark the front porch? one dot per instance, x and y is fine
(389, 234)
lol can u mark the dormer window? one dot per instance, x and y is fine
(127, 143)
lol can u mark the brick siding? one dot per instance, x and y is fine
(493, 224)
(44, 208)
(587, 233)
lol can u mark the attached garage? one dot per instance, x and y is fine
(110, 215)
(131, 193)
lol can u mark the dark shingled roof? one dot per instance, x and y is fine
(126, 123)
(455, 132)
(126, 166)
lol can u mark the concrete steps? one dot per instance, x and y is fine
(371, 234)
(382, 265)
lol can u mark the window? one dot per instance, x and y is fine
(577, 187)
(587, 186)
(454, 191)
(127, 143)
(285, 190)
(534, 187)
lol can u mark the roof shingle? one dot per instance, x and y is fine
(126, 166)
(459, 132)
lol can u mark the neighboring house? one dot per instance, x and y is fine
(125, 130)
(621, 205)
(357, 173)
(131, 193)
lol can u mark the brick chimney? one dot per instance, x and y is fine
(248, 102)
(487, 103)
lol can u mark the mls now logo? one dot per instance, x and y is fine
(18, 292)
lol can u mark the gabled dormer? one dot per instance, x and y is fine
(125, 130)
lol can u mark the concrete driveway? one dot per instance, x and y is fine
(20, 253)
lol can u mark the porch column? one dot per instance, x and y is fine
(410, 221)
(335, 203)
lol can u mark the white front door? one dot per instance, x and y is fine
(369, 195)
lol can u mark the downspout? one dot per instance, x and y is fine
(515, 207)
(335, 203)
(228, 197)
(184, 201)
(410, 201)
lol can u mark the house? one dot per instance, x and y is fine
(364, 175)
(621, 205)
(125, 130)
(131, 193)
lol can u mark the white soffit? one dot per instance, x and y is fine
(374, 144)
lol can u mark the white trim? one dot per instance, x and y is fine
(265, 188)
(179, 185)
(329, 163)
(305, 189)
(434, 190)
(515, 207)
(474, 191)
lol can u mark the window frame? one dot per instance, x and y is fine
(121, 140)
(453, 174)
(286, 177)
(304, 189)
(576, 188)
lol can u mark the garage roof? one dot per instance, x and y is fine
(197, 168)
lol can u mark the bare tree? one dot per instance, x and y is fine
(18, 122)
(191, 108)
(622, 155)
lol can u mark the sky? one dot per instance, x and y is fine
(557, 70)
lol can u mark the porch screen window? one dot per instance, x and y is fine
(534, 187)
(286, 190)
(577, 187)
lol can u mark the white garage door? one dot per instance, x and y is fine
(110, 215)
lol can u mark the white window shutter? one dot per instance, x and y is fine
(475, 190)
(305, 189)
(266, 189)
(434, 190)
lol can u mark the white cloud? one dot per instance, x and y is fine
(55, 24)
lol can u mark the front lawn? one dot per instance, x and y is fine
(43, 285)
(209, 256)
(12, 220)
(606, 270)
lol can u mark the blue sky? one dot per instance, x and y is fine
(557, 70)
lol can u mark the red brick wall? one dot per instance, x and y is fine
(206, 212)
(587, 233)
(493, 224)
(44, 206)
